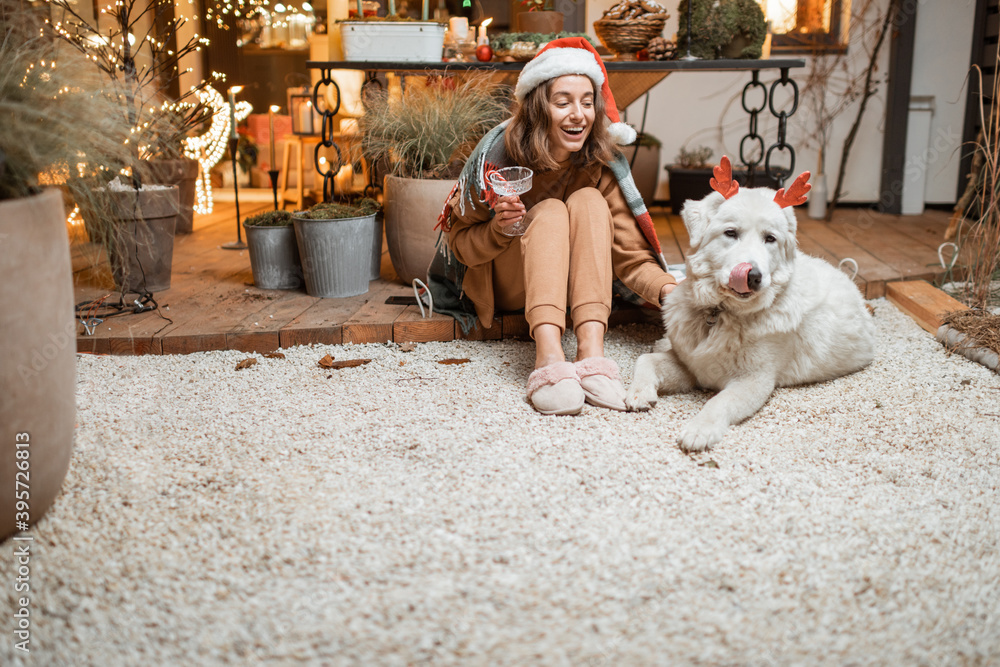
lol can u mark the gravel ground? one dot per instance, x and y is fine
(407, 512)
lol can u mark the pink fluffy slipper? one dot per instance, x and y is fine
(601, 382)
(555, 389)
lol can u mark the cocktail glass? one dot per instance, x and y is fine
(511, 182)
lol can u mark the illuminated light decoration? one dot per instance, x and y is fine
(238, 9)
(209, 148)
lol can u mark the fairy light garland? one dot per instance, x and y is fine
(209, 148)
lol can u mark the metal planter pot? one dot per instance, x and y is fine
(274, 257)
(336, 255)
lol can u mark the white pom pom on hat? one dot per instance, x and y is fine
(573, 55)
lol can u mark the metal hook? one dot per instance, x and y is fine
(418, 288)
(851, 262)
(954, 255)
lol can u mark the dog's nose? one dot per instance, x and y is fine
(753, 279)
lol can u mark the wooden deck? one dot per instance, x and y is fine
(213, 305)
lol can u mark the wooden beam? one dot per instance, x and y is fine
(925, 303)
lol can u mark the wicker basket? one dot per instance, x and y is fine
(629, 35)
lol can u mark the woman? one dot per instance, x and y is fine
(585, 223)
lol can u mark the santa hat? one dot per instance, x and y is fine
(573, 55)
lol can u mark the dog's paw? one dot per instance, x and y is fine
(640, 399)
(697, 437)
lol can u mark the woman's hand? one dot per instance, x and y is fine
(508, 211)
(664, 291)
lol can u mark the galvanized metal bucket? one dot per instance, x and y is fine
(336, 255)
(274, 257)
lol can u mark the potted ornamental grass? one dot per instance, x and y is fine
(337, 246)
(421, 140)
(55, 131)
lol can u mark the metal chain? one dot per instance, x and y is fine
(777, 173)
(753, 159)
(326, 134)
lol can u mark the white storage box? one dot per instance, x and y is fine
(392, 41)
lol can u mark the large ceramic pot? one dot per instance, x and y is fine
(183, 173)
(142, 245)
(412, 207)
(37, 358)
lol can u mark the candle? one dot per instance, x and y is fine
(361, 11)
(483, 39)
(232, 113)
(424, 12)
(392, 7)
(459, 26)
(273, 109)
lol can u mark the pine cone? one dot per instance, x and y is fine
(661, 48)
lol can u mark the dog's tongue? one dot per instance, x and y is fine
(738, 277)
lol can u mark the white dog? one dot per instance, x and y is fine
(753, 314)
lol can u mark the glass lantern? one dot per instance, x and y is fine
(306, 119)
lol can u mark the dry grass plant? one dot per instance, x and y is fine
(979, 230)
(430, 130)
(53, 120)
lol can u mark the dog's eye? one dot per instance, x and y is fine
(732, 233)
(770, 239)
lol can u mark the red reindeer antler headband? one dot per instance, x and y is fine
(724, 184)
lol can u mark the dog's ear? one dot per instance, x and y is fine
(791, 244)
(696, 215)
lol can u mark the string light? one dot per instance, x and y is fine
(209, 148)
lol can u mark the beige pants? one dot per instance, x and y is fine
(563, 260)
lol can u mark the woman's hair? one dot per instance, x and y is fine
(527, 137)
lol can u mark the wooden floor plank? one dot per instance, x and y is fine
(904, 256)
(212, 303)
(411, 327)
(872, 272)
(260, 331)
(372, 323)
(926, 304)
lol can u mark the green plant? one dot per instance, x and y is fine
(137, 64)
(55, 130)
(335, 210)
(278, 218)
(715, 24)
(431, 129)
(696, 158)
(504, 41)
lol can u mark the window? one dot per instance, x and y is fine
(806, 26)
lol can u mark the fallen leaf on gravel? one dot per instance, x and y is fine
(326, 362)
(453, 361)
(408, 346)
(273, 355)
(246, 363)
(348, 363)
